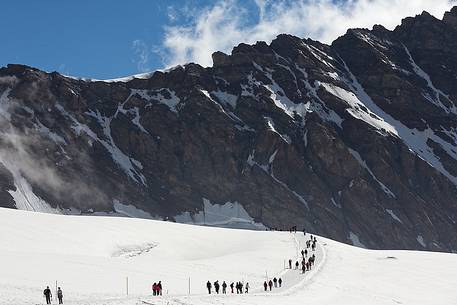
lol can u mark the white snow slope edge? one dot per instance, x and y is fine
(91, 257)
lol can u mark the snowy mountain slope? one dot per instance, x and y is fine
(91, 257)
(356, 141)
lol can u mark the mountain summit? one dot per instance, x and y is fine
(356, 140)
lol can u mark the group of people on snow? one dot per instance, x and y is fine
(157, 288)
(306, 262)
(276, 283)
(48, 295)
(238, 285)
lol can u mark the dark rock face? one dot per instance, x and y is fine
(355, 141)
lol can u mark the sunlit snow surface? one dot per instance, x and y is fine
(91, 257)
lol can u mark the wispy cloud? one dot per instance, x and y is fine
(223, 25)
(142, 55)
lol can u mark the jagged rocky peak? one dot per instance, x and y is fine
(356, 140)
(450, 17)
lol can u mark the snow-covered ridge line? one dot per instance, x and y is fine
(124, 79)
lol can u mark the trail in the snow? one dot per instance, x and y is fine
(293, 280)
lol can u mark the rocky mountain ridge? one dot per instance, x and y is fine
(355, 140)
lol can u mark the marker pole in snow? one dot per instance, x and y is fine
(189, 285)
(127, 285)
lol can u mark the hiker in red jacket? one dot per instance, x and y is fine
(154, 289)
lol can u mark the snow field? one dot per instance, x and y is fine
(92, 256)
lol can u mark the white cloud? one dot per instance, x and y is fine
(224, 25)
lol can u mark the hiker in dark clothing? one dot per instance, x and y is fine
(280, 282)
(241, 288)
(159, 288)
(303, 268)
(231, 286)
(208, 285)
(265, 285)
(296, 265)
(275, 282)
(47, 293)
(270, 284)
(303, 253)
(60, 295)
(224, 287)
(216, 286)
(247, 288)
(290, 264)
(306, 253)
(154, 289)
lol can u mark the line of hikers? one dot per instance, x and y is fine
(277, 283)
(239, 287)
(157, 288)
(48, 295)
(306, 262)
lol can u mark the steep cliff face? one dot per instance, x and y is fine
(355, 141)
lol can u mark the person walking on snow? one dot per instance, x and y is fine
(265, 285)
(159, 288)
(154, 288)
(231, 286)
(296, 265)
(247, 288)
(208, 285)
(47, 293)
(216, 286)
(303, 268)
(60, 295)
(224, 287)
(275, 282)
(303, 253)
(290, 264)
(270, 284)
(241, 288)
(306, 253)
(280, 282)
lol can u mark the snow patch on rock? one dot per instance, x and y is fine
(227, 215)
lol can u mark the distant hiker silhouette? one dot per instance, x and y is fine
(48, 295)
(60, 295)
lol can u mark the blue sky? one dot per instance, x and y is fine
(86, 38)
(106, 39)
